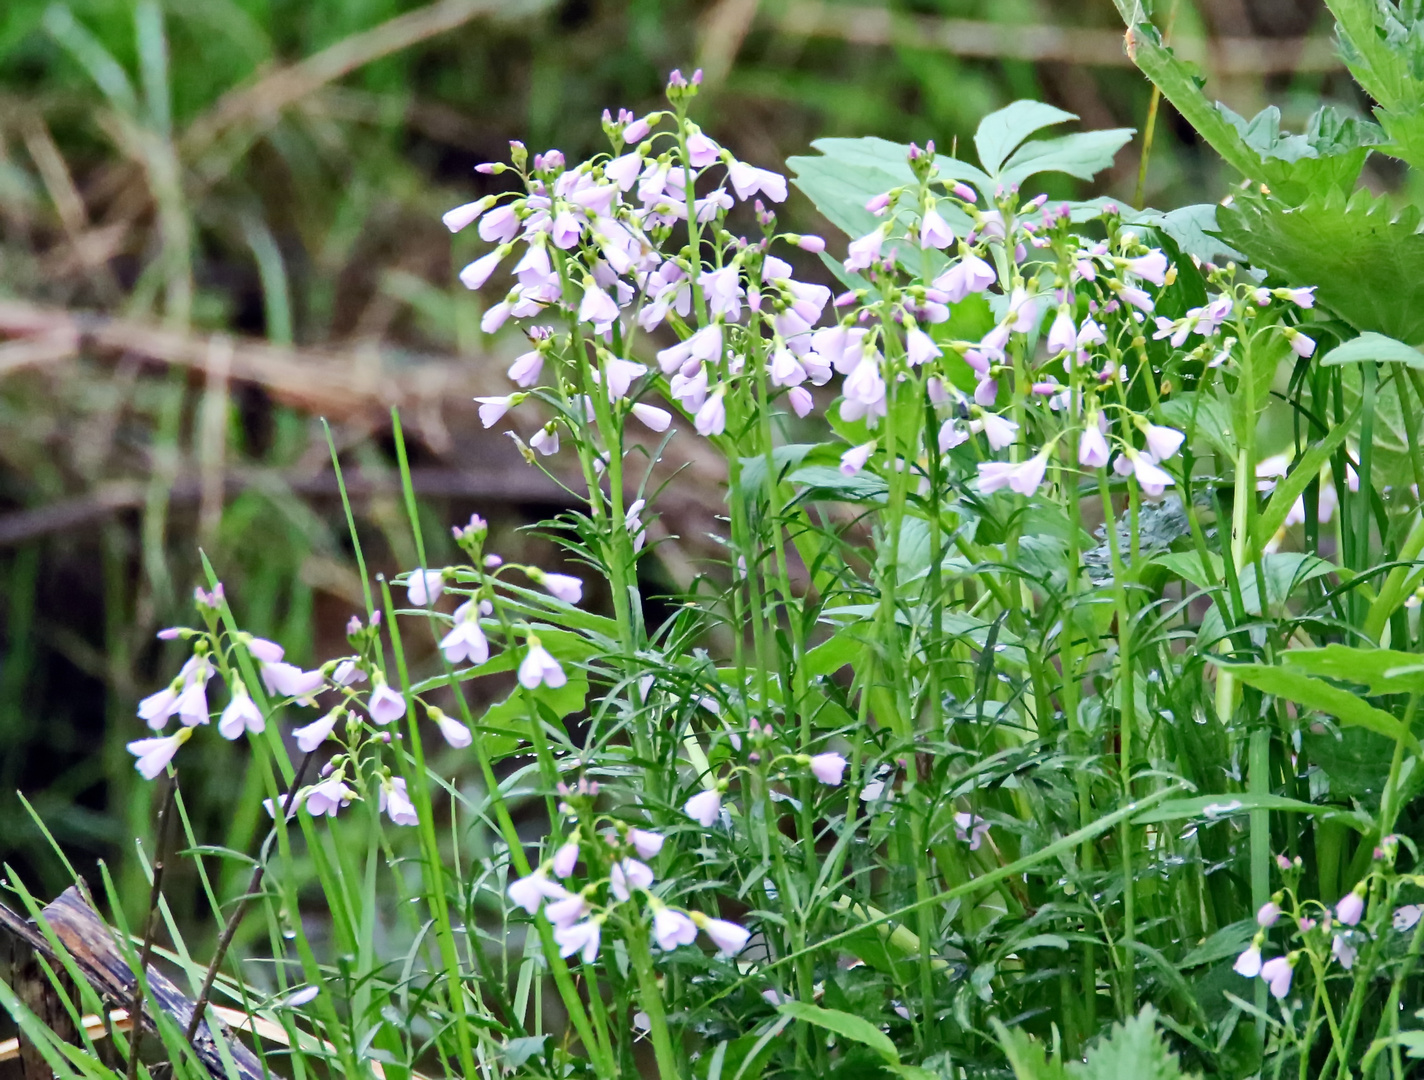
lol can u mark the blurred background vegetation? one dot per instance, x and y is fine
(219, 224)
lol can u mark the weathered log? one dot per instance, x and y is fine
(89, 941)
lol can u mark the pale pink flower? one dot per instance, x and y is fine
(864, 251)
(1301, 345)
(724, 292)
(192, 704)
(1090, 333)
(1092, 447)
(478, 272)
(704, 807)
(1000, 432)
(461, 216)
(747, 180)
(452, 731)
(563, 587)
(424, 587)
(492, 408)
(327, 797)
(396, 804)
(704, 345)
(637, 131)
(624, 170)
(1277, 971)
(935, 231)
(1351, 907)
(499, 225)
(920, 347)
(854, 459)
(597, 306)
(566, 912)
(647, 844)
(1268, 914)
(158, 707)
(951, 435)
(545, 440)
(566, 858)
(1249, 962)
(970, 275)
(288, 680)
(651, 417)
(711, 418)
(317, 732)
(828, 768)
(241, 714)
(1301, 297)
(466, 641)
(1137, 298)
(538, 667)
(1150, 267)
(813, 244)
(673, 928)
(526, 369)
(1152, 479)
(155, 754)
(1062, 335)
(264, 651)
(702, 150)
(627, 875)
(1023, 310)
(729, 938)
(1163, 442)
(1343, 951)
(621, 374)
(1405, 917)
(1028, 475)
(530, 891)
(800, 400)
(581, 938)
(971, 827)
(385, 704)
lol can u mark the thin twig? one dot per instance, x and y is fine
(1150, 127)
(165, 814)
(230, 929)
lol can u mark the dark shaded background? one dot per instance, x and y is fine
(219, 222)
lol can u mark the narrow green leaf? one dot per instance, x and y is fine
(846, 1025)
(1314, 693)
(1306, 470)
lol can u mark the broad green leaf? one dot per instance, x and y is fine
(1083, 154)
(826, 482)
(1217, 807)
(846, 1025)
(1294, 685)
(1307, 469)
(1367, 264)
(1001, 132)
(505, 724)
(1027, 1056)
(1371, 346)
(1204, 418)
(1192, 227)
(1355, 761)
(1187, 565)
(1380, 671)
(1228, 941)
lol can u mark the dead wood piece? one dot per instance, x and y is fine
(89, 941)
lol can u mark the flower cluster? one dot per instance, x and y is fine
(618, 875)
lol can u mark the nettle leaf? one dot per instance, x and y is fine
(1134, 1048)
(1367, 263)
(1330, 153)
(1001, 132)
